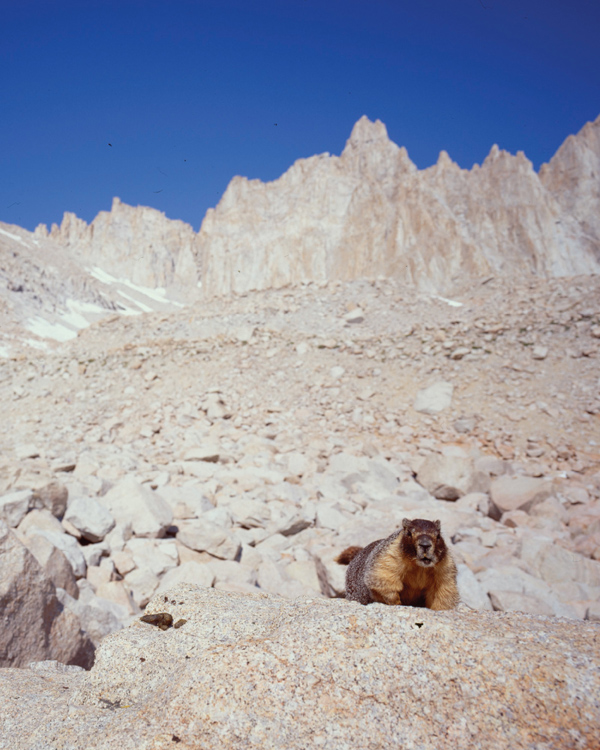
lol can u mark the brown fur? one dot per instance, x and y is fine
(347, 555)
(413, 567)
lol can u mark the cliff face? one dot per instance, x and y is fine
(371, 212)
(136, 243)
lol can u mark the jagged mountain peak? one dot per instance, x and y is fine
(371, 212)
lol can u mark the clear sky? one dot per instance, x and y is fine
(162, 103)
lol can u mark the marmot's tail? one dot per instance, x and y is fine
(347, 555)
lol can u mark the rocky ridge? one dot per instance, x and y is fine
(139, 244)
(371, 212)
(367, 213)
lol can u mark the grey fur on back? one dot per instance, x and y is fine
(356, 588)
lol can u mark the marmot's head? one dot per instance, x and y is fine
(422, 542)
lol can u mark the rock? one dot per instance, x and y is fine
(230, 572)
(205, 536)
(27, 450)
(332, 577)
(305, 572)
(511, 601)
(98, 575)
(515, 518)
(329, 517)
(464, 425)
(435, 398)
(450, 477)
(155, 555)
(123, 560)
(539, 352)
(39, 520)
(188, 501)
(98, 617)
(93, 553)
(555, 564)
(144, 510)
(14, 506)
(270, 577)
(215, 407)
(142, 584)
(250, 513)
(167, 679)
(53, 562)
(90, 518)
(509, 493)
(53, 497)
(593, 612)
(194, 573)
(71, 550)
(209, 453)
(288, 520)
(470, 590)
(459, 352)
(354, 316)
(35, 625)
(116, 591)
(478, 501)
(68, 527)
(509, 578)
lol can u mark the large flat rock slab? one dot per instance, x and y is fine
(260, 671)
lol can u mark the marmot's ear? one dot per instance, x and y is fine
(438, 525)
(406, 523)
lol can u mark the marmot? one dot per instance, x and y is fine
(413, 567)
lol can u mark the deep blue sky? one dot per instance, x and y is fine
(190, 94)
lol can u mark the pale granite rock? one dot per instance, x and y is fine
(244, 670)
(14, 506)
(510, 493)
(450, 477)
(136, 243)
(134, 504)
(205, 536)
(371, 212)
(90, 518)
(35, 624)
(435, 398)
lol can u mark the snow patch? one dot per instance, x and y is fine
(159, 294)
(35, 344)
(450, 302)
(13, 236)
(127, 310)
(102, 276)
(141, 305)
(75, 317)
(47, 330)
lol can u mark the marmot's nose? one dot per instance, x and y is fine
(425, 543)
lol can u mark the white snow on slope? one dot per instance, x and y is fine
(13, 236)
(75, 315)
(159, 294)
(450, 302)
(47, 330)
(141, 305)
